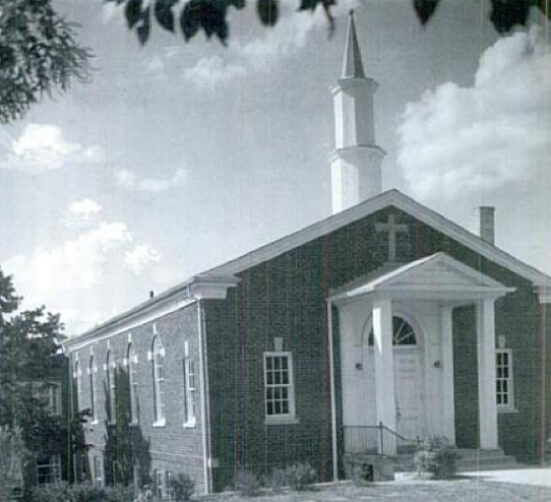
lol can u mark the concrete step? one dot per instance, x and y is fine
(469, 460)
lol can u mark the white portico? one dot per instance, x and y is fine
(396, 347)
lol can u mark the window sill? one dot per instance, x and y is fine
(506, 409)
(190, 424)
(94, 422)
(281, 421)
(134, 423)
(160, 423)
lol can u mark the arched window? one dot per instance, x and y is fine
(93, 397)
(77, 384)
(402, 333)
(158, 379)
(111, 388)
(132, 383)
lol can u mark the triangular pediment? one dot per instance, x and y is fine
(437, 276)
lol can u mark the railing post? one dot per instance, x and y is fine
(381, 437)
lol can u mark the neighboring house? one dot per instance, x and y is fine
(385, 312)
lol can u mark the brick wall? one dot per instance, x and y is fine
(285, 297)
(168, 448)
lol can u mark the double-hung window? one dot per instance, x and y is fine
(279, 391)
(504, 380)
(111, 387)
(189, 389)
(158, 353)
(93, 396)
(132, 383)
(48, 469)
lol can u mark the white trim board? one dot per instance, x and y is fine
(404, 203)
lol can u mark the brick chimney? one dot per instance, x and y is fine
(486, 223)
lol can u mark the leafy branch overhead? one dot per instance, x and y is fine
(210, 15)
(38, 54)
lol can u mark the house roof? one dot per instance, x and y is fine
(438, 276)
(400, 201)
(225, 274)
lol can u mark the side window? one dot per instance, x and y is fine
(189, 389)
(279, 391)
(111, 387)
(504, 380)
(158, 354)
(93, 396)
(132, 383)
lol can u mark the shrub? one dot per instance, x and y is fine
(277, 480)
(62, 492)
(247, 483)
(119, 493)
(182, 487)
(437, 457)
(300, 476)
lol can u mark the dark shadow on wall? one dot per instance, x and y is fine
(127, 457)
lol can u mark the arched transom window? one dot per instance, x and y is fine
(402, 333)
(158, 379)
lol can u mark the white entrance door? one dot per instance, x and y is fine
(408, 392)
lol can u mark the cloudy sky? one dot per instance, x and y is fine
(177, 157)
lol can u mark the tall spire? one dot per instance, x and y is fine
(352, 65)
(356, 161)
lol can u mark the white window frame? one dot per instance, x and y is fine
(49, 394)
(78, 383)
(111, 366)
(157, 360)
(190, 388)
(290, 416)
(97, 471)
(510, 392)
(93, 390)
(159, 477)
(52, 470)
(132, 383)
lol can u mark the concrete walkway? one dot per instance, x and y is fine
(534, 477)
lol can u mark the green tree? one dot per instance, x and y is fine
(39, 55)
(30, 359)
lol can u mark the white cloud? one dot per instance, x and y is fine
(457, 141)
(259, 54)
(85, 208)
(76, 276)
(212, 71)
(130, 181)
(140, 257)
(42, 147)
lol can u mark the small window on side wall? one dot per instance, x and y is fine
(504, 380)
(279, 390)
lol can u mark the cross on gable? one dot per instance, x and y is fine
(392, 228)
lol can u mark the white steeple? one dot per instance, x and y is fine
(356, 161)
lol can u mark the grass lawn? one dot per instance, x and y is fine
(459, 490)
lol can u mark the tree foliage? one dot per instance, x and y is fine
(30, 359)
(210, 16)
(38, 55)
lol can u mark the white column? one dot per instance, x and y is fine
(384, 368)
(448, 397)
(486, 374)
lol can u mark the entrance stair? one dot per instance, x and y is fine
(469, 460)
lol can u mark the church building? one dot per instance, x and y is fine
(385, 321)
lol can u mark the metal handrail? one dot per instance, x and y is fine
(371, 439)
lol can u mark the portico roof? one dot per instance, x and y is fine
(435, 277)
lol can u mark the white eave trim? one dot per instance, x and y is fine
(198, 288)
(370, 206)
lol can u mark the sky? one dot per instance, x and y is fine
(176, 157)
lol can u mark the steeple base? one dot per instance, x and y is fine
(355, 175)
